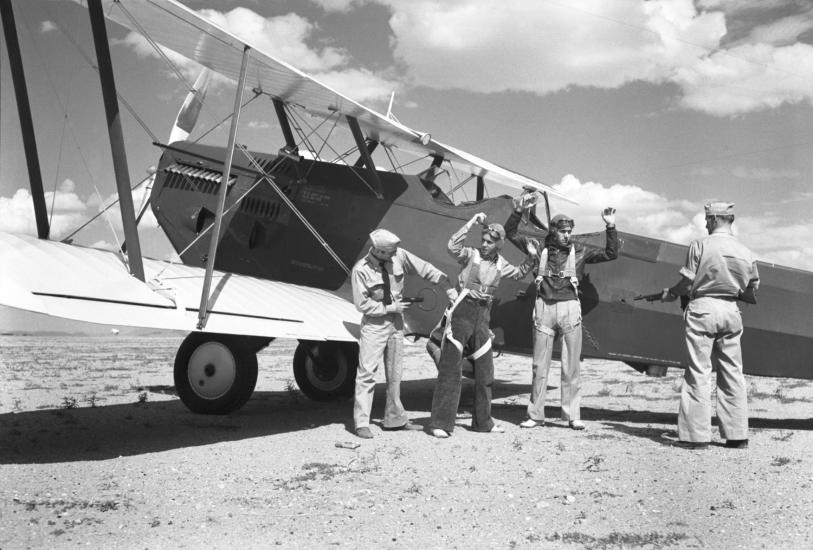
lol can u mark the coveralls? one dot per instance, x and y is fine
(719, 267)
(468, 328)
(382, 333)
(558, 310)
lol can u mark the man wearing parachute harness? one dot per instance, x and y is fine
(557, 309)
(467, 327)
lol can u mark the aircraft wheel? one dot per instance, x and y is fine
(215, 373)
(326, 371)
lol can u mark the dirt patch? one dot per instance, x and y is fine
(95, 450)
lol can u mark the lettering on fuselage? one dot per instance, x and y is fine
(314, 196)
(306, 265)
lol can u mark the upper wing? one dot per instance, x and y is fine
(93, 285)
(178, 28)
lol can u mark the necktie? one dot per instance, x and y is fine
(386, 276)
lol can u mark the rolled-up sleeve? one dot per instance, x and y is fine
(689, 269)
(456, 248)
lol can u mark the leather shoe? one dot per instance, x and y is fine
(441, 434)
(737, 443)
(695, 445)
(409, 426)
(576, 425)
(531, 423)
(497, 429)
(364, 433)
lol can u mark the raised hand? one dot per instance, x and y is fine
(526, 200)
(608, 215)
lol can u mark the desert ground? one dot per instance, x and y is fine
(96, 451)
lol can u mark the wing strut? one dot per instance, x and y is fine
(361, 143)
(111, 109)
(282, 116)
(371, 146)
(203, 312)
(26, 123)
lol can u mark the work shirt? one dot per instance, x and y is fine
(560, 289)
(367, 276)
(484, 280)
(719, 266)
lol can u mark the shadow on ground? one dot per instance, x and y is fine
(100, 433)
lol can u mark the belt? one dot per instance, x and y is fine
(558, 274)
(725, 298)
(478, 301)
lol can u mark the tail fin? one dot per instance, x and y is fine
(188, 115)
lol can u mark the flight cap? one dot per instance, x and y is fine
(384, 240)
(562, 221)
(720, 208)
(496, 231)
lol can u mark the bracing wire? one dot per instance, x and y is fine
(119, 250)
(352, 168)
(268, 178)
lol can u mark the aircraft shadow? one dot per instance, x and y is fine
(101, 433)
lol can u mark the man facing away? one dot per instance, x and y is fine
(378, 281)
(718, 271)
(468, 327)
(557, 309)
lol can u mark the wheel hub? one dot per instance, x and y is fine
(212, 370)
(326, 370)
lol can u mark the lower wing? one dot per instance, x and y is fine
(92, 285)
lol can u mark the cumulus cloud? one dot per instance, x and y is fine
(551, 46)
(747, 78)
(67, 211)
(17, 211)
(286, 37)
(642, 212)
(554, 46)
(360, 84)
(340, 6)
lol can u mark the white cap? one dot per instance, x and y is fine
(384, 240)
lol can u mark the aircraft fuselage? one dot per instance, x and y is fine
(262, 237)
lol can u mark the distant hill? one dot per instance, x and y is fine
(16, 322)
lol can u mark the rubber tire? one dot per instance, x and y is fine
(333, 380)
(235, 396)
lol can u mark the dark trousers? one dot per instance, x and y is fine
(469, 331)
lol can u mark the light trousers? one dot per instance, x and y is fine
(713, 331)
(381, 343)
(550, 318)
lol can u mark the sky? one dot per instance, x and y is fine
(654, 107)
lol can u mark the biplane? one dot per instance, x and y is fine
(266, 239)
